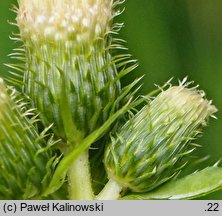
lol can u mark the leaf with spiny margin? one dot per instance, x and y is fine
(192, 186)
(62, 169)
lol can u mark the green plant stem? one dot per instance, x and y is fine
(80, 179)
(111, 191)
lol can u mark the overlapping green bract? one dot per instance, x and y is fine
(26, 166)
(74, 88)
(148, 149)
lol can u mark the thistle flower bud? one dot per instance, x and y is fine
(70, 75)
(148, 150)
(25, 166)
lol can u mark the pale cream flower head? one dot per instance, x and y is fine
(64, 19)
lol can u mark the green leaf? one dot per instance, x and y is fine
(191, 186)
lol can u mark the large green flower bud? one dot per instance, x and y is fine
(24, 164)
(70, 73)
(148, 149)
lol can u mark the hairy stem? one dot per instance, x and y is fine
(111, 191)
(80, 187)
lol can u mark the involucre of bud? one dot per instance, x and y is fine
(70, 75)
(147, 150)
(25, 166)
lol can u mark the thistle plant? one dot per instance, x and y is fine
(68, 48)
(104, 145)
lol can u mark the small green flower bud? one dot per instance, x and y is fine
(70, 75)
(25, 166)
(148, 149)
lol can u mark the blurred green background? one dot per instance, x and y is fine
(170, 38)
